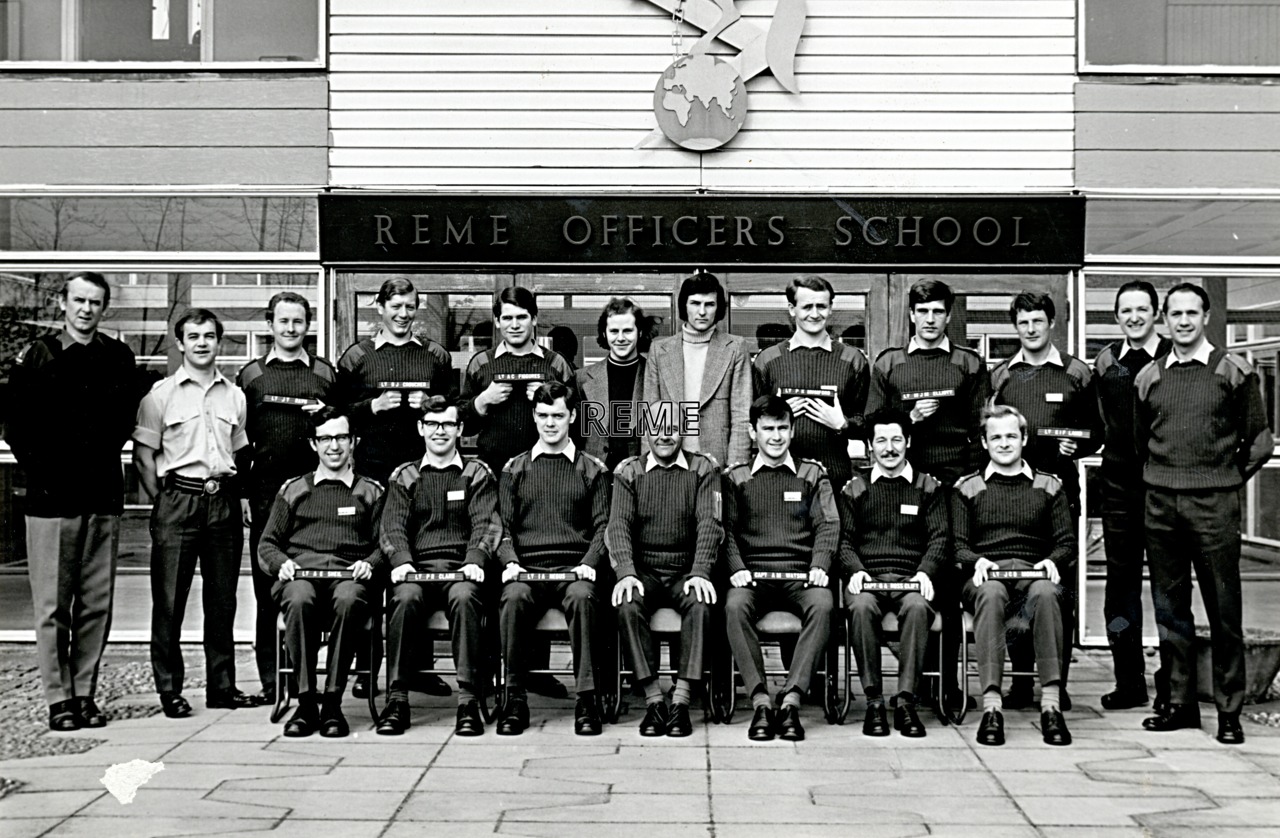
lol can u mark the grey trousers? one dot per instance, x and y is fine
(743, 605)
(915, 616)
(1003, 606)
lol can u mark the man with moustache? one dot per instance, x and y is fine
(618, 380)
(75, 491)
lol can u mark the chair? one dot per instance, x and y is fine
(665, 625)
(554, 622)
(284, 666)
(888, 633)
(777, 623)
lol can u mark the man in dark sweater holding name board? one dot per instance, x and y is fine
(321, 546)
(782, 523)
(554, 502)
(1015, 539)
(894, 529)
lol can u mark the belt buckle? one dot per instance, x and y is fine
(212, 486)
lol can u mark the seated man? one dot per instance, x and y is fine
(664, 535)
(324, 521)
(893, 529)
(554, 502)
(441, 515)
(1010, 518)
(781, 517)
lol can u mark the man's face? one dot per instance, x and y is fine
(397, 314)
(334, 444)
(199, 344)
(553, 421)
(811, 311)
(289, 326)
(700, 311)
(516, 325)
(1136, 316)
(441, 431)
(1003, 440)
(665, 443)
(930, 320)
(1186, 318)
(889, 446)
(83, 306)
(1034, 328)
(773, 436)
(622, 336)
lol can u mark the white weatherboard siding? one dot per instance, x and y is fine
(907, 95)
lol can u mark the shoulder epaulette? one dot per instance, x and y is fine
(971, 484)
(406, 474)
(629, 461)
(474, 464)
(999, 376)
(368, 484)
(294, 489)
(926, 483)
(249, 372)
(768, 354)
(892, 355)
(478, 360)
(1106, 359)
(516, 463)
(708, 462)
(1146, 377)
(323, 369)
(1078, 369)
(856, 487)
(816, 464)
(738, 471)
(963, 356)
(594, 460)
(849, 352)
(1047, 483)
(1241, 365)
(355, 354)
(157, 385)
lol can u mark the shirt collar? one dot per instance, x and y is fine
(1201, 356)
(455, 460)
(795, 342)
(759, 463)
(304, 357)
(348, 477)
(1151, 347)
(503, 349)
(65, 339)
(914, 345)
(570, 451)
(381, 339)
(182, 376)
(652, 462)
(877, 473)
(1025, 471)
(1054, 357)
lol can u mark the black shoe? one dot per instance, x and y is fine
(394, 719)
(231, 699)
(333, 725)
(1229, 730)
(991, 728)
(431, 685)
(679, 724)
(174, 705)
(64, 716)
(1053, 728)
(515, 719)
(90, 715)
(586, 719)
(545, 685)
(1174, 717)
(788, 724)
(907, 722)
(268, 696)
(761, 728)
(469, 722)
(304, 721)
(360, 687)
(656, 719)
(876, 722)
(1064, 700)
(1125, 699)
(1021, 694)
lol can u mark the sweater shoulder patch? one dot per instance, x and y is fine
(739, 473)
(702, 463)
(1147, 378)
(249, 373)
(354, 355)
(971, 485)
(630, 464)
(1079, 371)
(965, 358)
(405, 475)
(999, 376)
(517, 464)
(367, 489)
(1106, 360)
(1047, 483)
(1234, 367)
(476, 467)
(926, 483)
(851, 354)
(768, 355)
(810, 469)
(323, 369)
(478, 361)
(855, 488)
(592, 465)
(295, 490)
(890, 358)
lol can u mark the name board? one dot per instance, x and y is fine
(589, 232)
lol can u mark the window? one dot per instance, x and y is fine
(1205, 35)
(150, 32)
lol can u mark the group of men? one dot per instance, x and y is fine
(351, 482)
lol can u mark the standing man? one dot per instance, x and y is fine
(893, 529)
(1123, 492)
(326, 520)
(283, 390)
(190, 428)
(706, 365)
(75, 491)
(780, 517)
(664, 536)
(618, 380)
(824, 382)
(1202, 429)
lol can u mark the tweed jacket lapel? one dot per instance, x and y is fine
(668, 356)
(718, 357)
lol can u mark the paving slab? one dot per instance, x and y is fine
(493, 807)
(317, 805)
(318, 751)
(304, 828)
(905, 784)
(484, 780)
(1106, 811)
(622, 779)
(174, 775)
(155, 827)
(47, 804)
(636, 757)
(927, 808)
(1259, 813)
(783, 756)
(1214, 785)
(1049, 758)
(872, 830)
(195, 804)
(595, 830)
(512, 757)
(28, 827)
(618, 808)
(104, 755)
(342, 778)
(797, 809)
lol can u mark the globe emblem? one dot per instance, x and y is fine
(700, 102)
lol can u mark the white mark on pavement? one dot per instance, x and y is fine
(124, 778)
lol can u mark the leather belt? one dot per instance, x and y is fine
(194, 485)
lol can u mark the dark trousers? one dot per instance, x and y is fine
(915, 616)
(72, 566)
(186, 528)
(412, 604)
(264, 620)
(1200, 530)
(523, 603)
(1003, 608)
(695, 626)
(1124, 534)
(743, 606)
(309, 606)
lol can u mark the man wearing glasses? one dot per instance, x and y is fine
(324, 521)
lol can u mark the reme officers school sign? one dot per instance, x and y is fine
(634, 231)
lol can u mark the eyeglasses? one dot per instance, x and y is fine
(432, 425)
(341, 439)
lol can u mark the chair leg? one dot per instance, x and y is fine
(373, 678)
(282, 685)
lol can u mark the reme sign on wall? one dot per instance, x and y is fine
(635, 231)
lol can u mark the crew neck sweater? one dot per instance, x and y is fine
(777, 520)
(1003, 519)
(1116, 377)
(665, 520)
(322, 526)
(280, 433)
(441, 514)
(507, 428)
(892, 526)
(622, 384)
(554, 511)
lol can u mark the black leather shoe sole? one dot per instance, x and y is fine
(1124, 700)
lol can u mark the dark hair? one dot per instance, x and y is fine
(645, 325)
(93, 278)
(1187, 287)
(288, 297)
(439, 404)
(702, 283)
(1000, 411)
(1138, 285)
(1031, 301)
(811, 283)
(930, 291)
(564, 341)
(774, 407)
(552, 390)
(516, 295)
(327, 414)
(197, 316)
(395, 287)
(887, 416)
